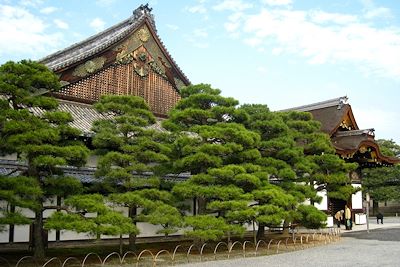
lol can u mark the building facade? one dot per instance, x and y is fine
(130, 59)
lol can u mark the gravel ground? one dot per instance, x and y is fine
(380, 247)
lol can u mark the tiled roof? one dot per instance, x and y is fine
(335, 102)
(348, 142)
(83, 174)
(103, 40)
(98, 42)
(329, 113)
(84, 115)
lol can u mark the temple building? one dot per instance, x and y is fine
(351, 143)
(126, 59)
(130, 59)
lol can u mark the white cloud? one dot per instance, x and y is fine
(262, 69)
(97, 24)
(320, 16)
(278, 2)
(380, 12)
(233, 5)
(373, 50)
(31, 3)
(197, 9)
(172, 27)
(61, 24)
(200, 33)
(24, 34)
(105, 2)
(48, 10)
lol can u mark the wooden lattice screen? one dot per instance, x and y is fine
(123, 80)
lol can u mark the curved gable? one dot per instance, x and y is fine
(127, 59)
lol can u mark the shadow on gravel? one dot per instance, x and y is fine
(385, 234)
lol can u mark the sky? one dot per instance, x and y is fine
(283, 53)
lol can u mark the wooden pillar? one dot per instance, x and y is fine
(11, 229)
(58, 233)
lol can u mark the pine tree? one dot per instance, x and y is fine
(383, 183)
(279, 196)
(40, 136)
(132, 159)
(214, 147)
(320, 168)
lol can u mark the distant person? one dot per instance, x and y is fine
(379, 216)
(347, 217)
(339, 217)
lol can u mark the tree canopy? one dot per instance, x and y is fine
(40, 137)
(132, 158)
(383, 183)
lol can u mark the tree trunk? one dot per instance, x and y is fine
(375, 207)
(201, 205)
(229, 240)
(261, 231)
(121, 245)
(254, 233)
(285, 227)
(132, 237)
(38, 241)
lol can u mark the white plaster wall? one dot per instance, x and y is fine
(49, 202)
(9, 156)
(51, 235)
(21, 233)
(324, 203)
(26, 212)
(329, 221)
(356, 199)
(70, 235)
(4, 234)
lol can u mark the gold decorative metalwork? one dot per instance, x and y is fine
(89, 67)
(154, 58)
(143, 35)
(142, 60)
(363, 149)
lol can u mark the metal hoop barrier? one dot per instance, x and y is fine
(68, 259)
(188, 252)
(158, 253)
(269, 244)
(216, 247)
(87, 256)
(52, 259)
(111, 254)
(294, 242)
(140, 255)
(25, 257)
(277, 247)
(286, 243)
(258, 244)
(301, 242)
(174, 253)
(6, 261)
(244, 247)
(126, 254)
(201, 251)
(230, 249)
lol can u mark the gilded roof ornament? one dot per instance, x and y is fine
(143, 35)
(89, 67)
